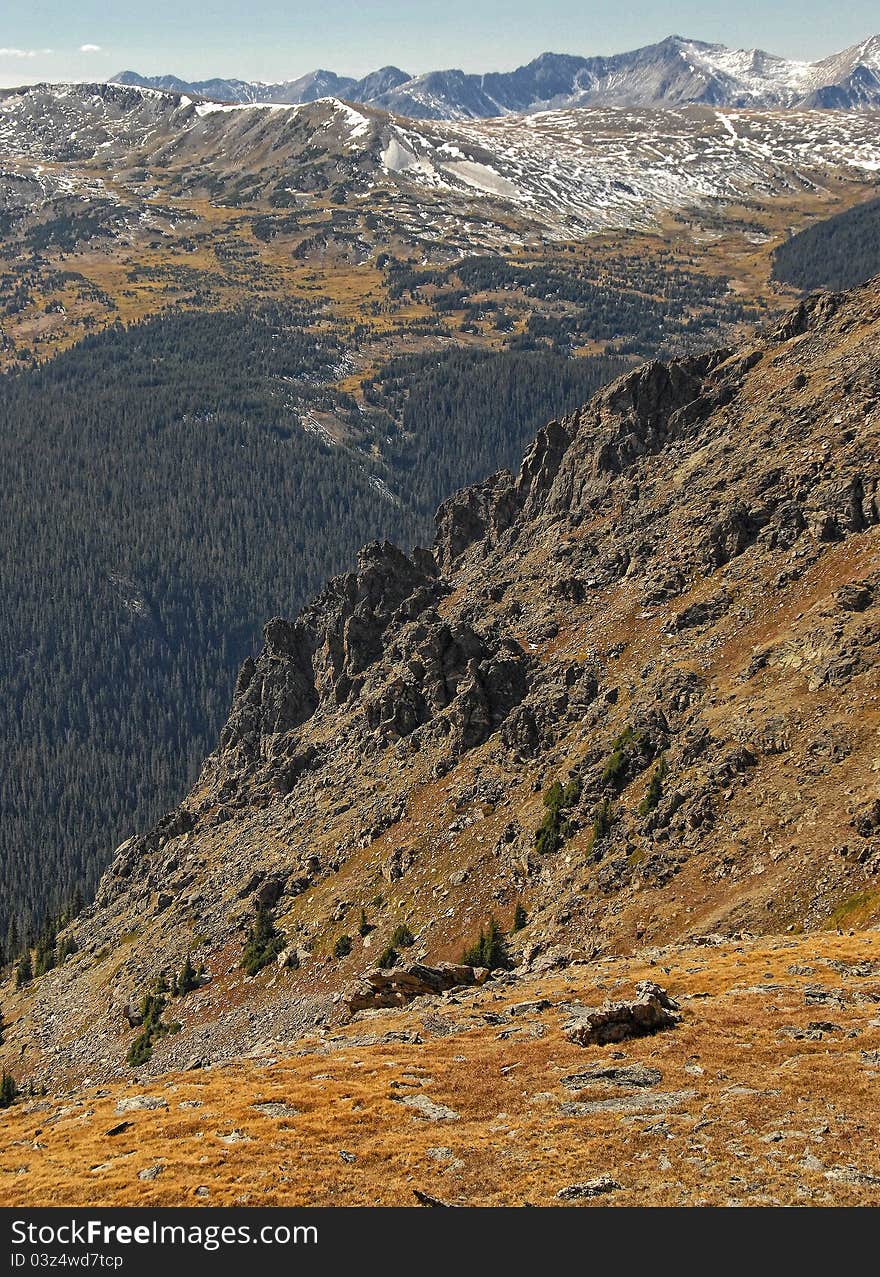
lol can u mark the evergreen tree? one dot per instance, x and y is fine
(263, 943)
(602, 820)
(188, 978)
(45, 959)
(24, 972)
(655, 788)
(152, 1025)
(8, 1090)
(490, 950)
(554, 828)
(66, 946)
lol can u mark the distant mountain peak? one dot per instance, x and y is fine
(676, 71)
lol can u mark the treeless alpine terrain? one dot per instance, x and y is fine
(619, 725)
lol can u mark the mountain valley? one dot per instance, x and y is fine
(632, 721)
(415, 274)
(440, 545)
(579, 624)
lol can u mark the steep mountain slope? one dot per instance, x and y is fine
(165, 487)
(633, 687)
(119, 203)
(850, 79)
(675, 72)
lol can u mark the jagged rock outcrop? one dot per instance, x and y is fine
(450, 668)
(274, 694)
(475, 516)
(324, 654)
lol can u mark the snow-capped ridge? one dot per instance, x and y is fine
(676, 71)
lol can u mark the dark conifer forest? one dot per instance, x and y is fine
(164, 491)
(839, 252)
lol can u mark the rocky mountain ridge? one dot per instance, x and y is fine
(674, 72)
(631, 689)
(483, 184)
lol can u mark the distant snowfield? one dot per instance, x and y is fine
(592, 169)
(225, 108)
(480, 176)
(565, 173)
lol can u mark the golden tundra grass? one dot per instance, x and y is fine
(757, 1115)
(743, 258)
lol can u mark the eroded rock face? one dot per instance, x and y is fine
(274, 694)
(324, 654)
(569, 467)
(591, 1188)
(446, 669)
(475, 517)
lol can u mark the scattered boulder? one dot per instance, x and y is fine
(135, 1103)
(119, 1128)
(592, 1188)
(398, 986)
(429, 1110)
(867, 821)
(854, 598)
(624, 1075)
(425, 1199)
(650, 1012)
(274, 1108)
(269, 893)
(133, 1014)
(397, 864)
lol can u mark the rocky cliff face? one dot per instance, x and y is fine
(673, 610)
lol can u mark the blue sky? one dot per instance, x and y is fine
(280, 39)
